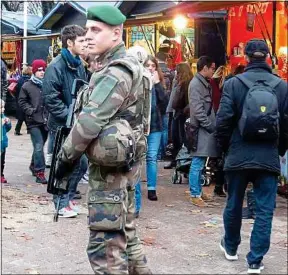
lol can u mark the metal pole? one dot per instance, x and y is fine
(274, 32)
(25, 33)
(147, 41)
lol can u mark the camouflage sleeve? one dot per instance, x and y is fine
(110, 91)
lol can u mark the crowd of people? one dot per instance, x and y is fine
(211, 100)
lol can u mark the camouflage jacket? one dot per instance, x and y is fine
(113, 92)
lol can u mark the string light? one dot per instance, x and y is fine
(180, 22)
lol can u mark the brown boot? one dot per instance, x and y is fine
(198, 202)
(205, 197)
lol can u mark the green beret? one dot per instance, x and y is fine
(107, 14)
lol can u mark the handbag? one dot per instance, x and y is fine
(12, 87)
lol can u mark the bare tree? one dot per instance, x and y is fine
(37, 7)
(47, 6)
(12, 5)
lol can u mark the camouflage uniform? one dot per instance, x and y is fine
(114, 247)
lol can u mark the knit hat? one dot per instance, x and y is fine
(37, 64)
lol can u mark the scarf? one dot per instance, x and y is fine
(37, 81)
(72, 61)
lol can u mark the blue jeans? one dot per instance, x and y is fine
(153, 141)
(77, 174)
(38, 137)
(265, 190)
(138, 196)
(164, 137)
(51, 141)
(195, 174)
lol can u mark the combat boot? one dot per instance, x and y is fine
(137, 270)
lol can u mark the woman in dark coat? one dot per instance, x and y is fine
(181, 108)
(26, 75)
(32, 103)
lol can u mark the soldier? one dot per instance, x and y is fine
(114, 247)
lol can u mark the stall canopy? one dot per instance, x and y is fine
(13, 23)
(81, 7)
(148, 12)
(203, 6)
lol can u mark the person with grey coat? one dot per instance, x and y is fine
(202, 116)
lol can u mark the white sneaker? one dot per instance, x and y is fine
(67, 212)
(85, 179)
(86, 176)
(73, 205)
(229, 257)
(48, 160)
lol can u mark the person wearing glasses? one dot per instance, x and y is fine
(203, 118)
(31, 102)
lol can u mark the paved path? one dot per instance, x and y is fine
(177, 237)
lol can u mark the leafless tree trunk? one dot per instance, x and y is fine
(12, 5)
(47, 6)
(37, 7)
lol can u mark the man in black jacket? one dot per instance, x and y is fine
(256, 161)
(57, 87)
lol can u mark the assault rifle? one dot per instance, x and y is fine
(60, 187)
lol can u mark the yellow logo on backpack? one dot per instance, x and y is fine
(263, 109)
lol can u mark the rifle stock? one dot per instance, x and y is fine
(60, 187)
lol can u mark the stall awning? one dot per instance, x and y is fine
(81, 6)
(203, 6)
(149, 7)
(167, 10)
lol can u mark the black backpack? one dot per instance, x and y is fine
(260, 115)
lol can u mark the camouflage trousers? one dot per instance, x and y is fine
(114, 247)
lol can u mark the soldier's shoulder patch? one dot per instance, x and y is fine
(120, 71)
(103, 87)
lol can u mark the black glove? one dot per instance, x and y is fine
(63, 169)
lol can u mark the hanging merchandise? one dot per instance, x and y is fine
(9, 52)
(250, 21)
(175, 54)
(283, 63)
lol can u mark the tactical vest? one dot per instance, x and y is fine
(122, 141)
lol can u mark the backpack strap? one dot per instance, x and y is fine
(245, 81)
(275, 82)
